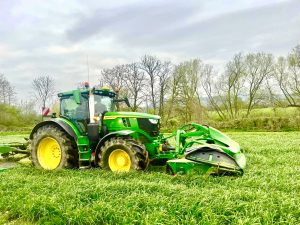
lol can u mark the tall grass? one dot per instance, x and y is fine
(268, 193)
(262, 119)
(13, 119)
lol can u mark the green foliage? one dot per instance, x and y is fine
(8, 137)
(12, 118)
(264, 119)
(268, 193)
(170, 125)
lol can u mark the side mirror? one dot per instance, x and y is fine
(125, 99)
(127, 102)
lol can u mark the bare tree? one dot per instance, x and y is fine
(7, 91)
(272, 90)
(287, 75)
(282, 76)
(164, 77)
(209, 85)
(294, 69)
(258, 67)
(158, 73)
(11, 94)
(188, 87)
(44, 89)
(114, 77)
(229, 88)
(152, 66)
(175, 81)
(294, 57)
(27, 107)
(134, 82)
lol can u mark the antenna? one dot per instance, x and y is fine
(88, 69)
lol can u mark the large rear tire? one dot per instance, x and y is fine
(52, 149)
(122, 155)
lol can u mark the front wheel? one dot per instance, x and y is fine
(122, 155)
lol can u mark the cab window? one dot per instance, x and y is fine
(103, 104)
(70, 109)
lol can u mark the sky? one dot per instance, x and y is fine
(58, 38)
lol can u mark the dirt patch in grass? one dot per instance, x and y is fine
(7, 164)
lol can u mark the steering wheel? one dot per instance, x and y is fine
(69, 113)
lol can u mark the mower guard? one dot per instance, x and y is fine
(206, 160)
(206, 150)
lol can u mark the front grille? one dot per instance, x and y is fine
(147, 126)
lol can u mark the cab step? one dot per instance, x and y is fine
(84, 160)
(84, 163)
(84, 167)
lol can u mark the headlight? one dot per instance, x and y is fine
(153, 121)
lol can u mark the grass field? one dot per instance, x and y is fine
(268, 193)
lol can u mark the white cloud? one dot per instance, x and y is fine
(55, 37)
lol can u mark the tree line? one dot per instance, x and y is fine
(186, 91)
(43, 89)
(190, 90)
(7, 91)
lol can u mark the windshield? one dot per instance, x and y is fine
(103, 104)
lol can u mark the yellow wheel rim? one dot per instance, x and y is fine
(49, 153)
(119, 160)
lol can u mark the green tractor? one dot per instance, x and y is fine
(89, 132)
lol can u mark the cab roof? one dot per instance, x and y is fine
(104, 92)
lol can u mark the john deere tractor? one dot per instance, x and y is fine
(89, 132)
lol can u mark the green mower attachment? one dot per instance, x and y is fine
(206, 151)
(13, 147)
(2, 169)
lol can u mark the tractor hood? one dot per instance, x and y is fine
(111, 115)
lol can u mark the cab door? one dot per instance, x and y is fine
(76, 111)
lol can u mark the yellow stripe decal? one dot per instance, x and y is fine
(109, 117)
(114, 117)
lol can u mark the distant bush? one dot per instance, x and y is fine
(13, 119)
(263, 119)
(260, 124)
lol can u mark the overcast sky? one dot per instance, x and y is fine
(55, 37)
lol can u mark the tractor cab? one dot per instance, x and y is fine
(86, 106)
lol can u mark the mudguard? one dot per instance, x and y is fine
(113, 134)
(58, 123)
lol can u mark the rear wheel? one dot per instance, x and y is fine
(122, 155)
(52, 149)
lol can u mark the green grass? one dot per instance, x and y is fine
(12, 133)
(268, 193)
(7, 138)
